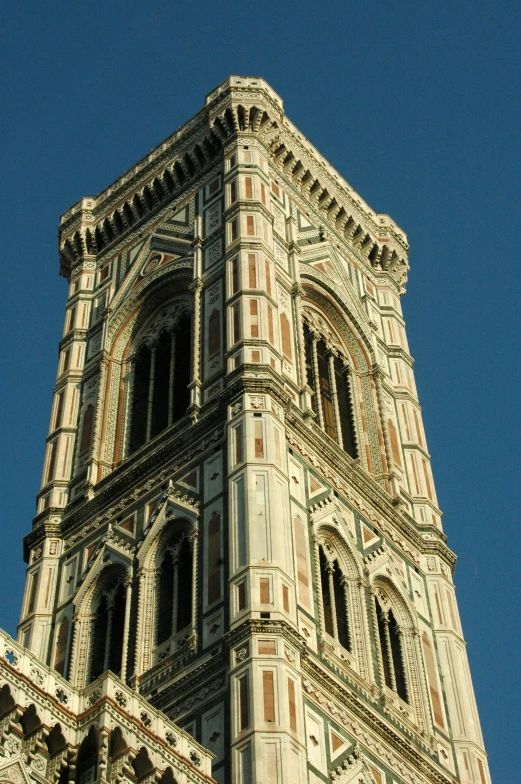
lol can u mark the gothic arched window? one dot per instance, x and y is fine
(174, 595)
(161, 375)
(108, 630)
(328, 378)
(389, 634)
(334, 600)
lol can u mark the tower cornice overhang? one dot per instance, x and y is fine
(239, 105)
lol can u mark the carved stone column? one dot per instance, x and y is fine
(334, 396)
(195, 385)
(332, 599)
(344, 582)
(316, 379)
(388, 653)
(98, 423)
(126, 628)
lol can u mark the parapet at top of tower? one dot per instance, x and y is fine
(239, 105)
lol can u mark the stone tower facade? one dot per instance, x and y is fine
(237, 515)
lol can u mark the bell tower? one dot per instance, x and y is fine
(237, 517)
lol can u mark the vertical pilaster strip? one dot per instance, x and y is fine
(98, 421)
(377, 374)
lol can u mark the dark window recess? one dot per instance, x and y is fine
(182, 367)
(389, 634)
(320, 382)
(161, 378)
(138, 431)
(344, 409)
(396, 649)
(165, 608)
(87, 762)
(326, 594)
(341, 608)
(99, 639)
(325, 390)
(174, 600)
(184, 608)
(107, 639)
(116, 636)
(309, 366)
(163, 351)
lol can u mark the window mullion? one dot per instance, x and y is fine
(332, 599)
(345, 587)
(171, 380)
(109, 635)
(151, 392)
(334, 397)
(388, 650)
(126, 629)
(316, 379)
(175, 591)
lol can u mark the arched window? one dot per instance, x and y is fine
(87, 763)
(108, 629)
(62, 639)
(174, 595)
(334, 600)
(327, 376)
(389, 634)
(160, 394)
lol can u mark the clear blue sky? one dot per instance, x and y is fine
(417, 104)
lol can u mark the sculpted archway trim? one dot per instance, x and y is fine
(335, 543)
(174, 506)
(385, 588)
(317, 285)
(109, 554)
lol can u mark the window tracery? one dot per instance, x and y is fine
(335, 601)
(399, 655)
(328, 377)
(161, 375)
(390, 641)
(174, 597)
(107, 636)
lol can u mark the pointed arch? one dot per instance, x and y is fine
(340, 593)
(398, 650)
(87, 761)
